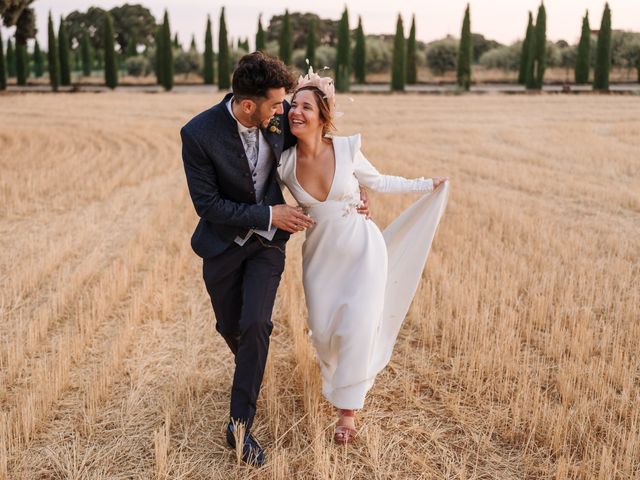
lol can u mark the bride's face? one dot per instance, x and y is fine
(304, 115)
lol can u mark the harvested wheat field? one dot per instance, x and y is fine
(518, 360)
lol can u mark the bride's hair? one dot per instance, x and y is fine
(323, 107)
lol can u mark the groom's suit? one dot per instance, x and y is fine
(241, 279)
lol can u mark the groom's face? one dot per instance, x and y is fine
(267, 107)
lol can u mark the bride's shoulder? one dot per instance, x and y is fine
(351, 142)
(285, 159)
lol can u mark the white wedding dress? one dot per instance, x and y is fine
(359, 281)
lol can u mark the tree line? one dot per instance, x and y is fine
(127, 39)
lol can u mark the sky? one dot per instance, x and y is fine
(501, 20)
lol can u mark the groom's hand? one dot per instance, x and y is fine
(290, 219)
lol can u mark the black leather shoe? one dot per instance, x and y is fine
(252, 452)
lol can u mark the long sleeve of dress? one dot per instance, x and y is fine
(369, 176)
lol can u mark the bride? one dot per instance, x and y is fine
(358, 281)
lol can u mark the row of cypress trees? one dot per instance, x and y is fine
(404, 64)
(533, 56)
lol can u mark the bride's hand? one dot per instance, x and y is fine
(437, 181)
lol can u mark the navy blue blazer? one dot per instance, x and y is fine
(220, 181)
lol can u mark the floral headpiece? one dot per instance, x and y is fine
(324, 84)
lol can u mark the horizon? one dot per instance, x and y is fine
(188, 17)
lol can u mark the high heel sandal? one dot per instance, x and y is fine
(343, 433)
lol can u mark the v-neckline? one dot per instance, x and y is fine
(333, 180)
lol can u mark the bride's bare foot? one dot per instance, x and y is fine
(345, 431)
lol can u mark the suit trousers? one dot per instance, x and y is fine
(242, 283)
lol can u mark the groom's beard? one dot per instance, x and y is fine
(256, 121)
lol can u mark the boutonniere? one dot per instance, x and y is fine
(274, 125)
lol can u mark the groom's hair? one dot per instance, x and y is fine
(257, 73)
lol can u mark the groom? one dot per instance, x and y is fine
(230, 153)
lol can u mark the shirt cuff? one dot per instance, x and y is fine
(270, 217)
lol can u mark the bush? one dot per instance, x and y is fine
(235, 55)
(554, 55)
(299, 59)
(138, 66)
(442, 55)
(504, 58)
(187, 62)
(326, 56)
(379, 54)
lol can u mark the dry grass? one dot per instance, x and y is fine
(519, 358)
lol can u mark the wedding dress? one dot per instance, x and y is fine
(358, 281)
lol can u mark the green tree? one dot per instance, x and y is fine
(524, 55)
(3, 67)
(465, 53)
(11, 60)
(132, 48)
(38, 60)
(22, 63)
(132, 23)
(343, 70)
(540, 51)
(603, 53)
(224, 75)
(110, 67)
(398, 68)
(286, 40)
(208, 55)
(360, 55)
(85, 53)
(582, 61)
(412, 60)
(167, 53)
(19, 13)
(63, 52)
(260, 40)
(159, 54)
(54, 60)
(311, 43)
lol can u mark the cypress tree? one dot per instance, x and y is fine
(311, 42)
(540, 59)
(224, 62)
(22, 63)
(176, 42)
(11, 60)
(530, 79)
(524, 55)
(54, 60)
(603, 53)
(465, 52)
(398, 68)
(343, 71)
(412, 65)
(360, 55)
(159, 57)
(85, 52)
(3, 67)
(260, 41)
(208, 54)
(286, 39)
(38, 60)
(582, 60)
(110, 67)
(192, 46)
(63, 49)
(167, 53)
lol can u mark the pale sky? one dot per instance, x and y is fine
(501, 20)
